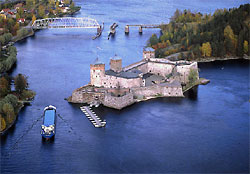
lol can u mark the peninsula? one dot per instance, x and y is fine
(149, 78)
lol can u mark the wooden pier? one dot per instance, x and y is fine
(93, 118)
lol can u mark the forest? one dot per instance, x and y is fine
(196, 35)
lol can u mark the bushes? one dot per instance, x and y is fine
(192, 77)
(10, 61)
(8, 110)
(21, 83)
(27, 95)
(4, 87)
(5, 38)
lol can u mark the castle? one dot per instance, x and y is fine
(119, 87)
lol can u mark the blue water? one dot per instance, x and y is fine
(205, 132)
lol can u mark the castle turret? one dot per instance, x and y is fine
(148, 53)
(116, 64)
(97, 73)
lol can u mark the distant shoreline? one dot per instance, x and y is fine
(212, 59)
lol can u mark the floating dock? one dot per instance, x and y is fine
(93, 118)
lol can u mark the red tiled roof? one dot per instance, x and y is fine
(6, 10)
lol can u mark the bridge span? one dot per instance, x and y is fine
(66, 22)
(141, 26)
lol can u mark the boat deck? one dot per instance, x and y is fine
(49, 117)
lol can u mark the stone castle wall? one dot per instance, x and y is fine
(118, 102)
(158, 90)
(116, 82)
(86, 97)
(184, 71)
(162, 69)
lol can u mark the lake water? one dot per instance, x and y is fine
(207, 131)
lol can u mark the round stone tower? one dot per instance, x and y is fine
(148, 53)
(116, 64)
(97, 73)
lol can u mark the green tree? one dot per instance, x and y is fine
(72, 5)
(230, 40)
(41, 11)
(193, 76)
(2, 40)
(4, 87)
(7, 37)
(12, 99)
(8, 111)
(21, 83)
(15, 29)
(18, 16)
(153, 40)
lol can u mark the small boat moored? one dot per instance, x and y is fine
(49, 122)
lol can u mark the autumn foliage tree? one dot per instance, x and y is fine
(4, 87)
(20, 83)
(227, 31)
(245, 47)
(33, 19)
(206, 49)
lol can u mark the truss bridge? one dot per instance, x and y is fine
(67, 22)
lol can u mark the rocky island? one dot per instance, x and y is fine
(149, 78)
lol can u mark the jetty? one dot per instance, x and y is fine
(93, 118)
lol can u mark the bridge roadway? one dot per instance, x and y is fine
(145, 25)
(95, 120)
(141, 26)
(66, 22)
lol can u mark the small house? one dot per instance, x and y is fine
(21, 20)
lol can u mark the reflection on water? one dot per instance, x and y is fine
(192, 93)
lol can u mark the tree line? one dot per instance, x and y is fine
(9, 100)
(7, 62)
(225, 33)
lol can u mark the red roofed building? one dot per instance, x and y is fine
(6, 10)
(21, 20)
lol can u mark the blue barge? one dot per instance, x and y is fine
(49, 122)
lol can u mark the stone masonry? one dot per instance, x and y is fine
(149, 78)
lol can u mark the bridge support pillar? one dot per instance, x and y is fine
(140, 29)
(99, 29)
(126, 29)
